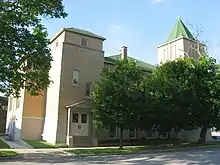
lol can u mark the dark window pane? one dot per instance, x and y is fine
(84, 42)
(84, 118)
(75, 118)
(131, 132)
(88, 89)
(112, 131)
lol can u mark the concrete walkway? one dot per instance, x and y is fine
(18, 144)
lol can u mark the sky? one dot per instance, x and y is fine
(140, 25)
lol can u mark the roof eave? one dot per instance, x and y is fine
(100, 37)
(57, 35)
(65, 29)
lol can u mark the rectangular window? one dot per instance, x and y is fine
(191, 52)
(75, 118)
(168, 54)
(75, 77)
(149, 134)
(164, 55)
(171, 52)
(131, 132)
(112, 131)
(88, 89)
(84, 118)
(84, 42)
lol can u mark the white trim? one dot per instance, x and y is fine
(38, 118)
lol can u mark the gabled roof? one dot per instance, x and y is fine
(180, 30)
(143, 65)
(84, 32)
(82, 104)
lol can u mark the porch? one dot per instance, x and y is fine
(79, 125)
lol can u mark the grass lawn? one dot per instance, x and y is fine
(3, 145)
(135, 149)
(8, 153)
(43, 144)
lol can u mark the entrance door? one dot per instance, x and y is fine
(80, 124)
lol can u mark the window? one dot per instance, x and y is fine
(75, 118)
(88, 89)
(131, 132)
(164, 54)
(149, 133)
(84, 118)
(75, 78)
(84, 42)
(168, 54)
(171, 53)
(112, 131)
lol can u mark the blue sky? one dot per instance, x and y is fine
(141, 25)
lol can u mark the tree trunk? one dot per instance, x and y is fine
(202, 138)
(121, 139)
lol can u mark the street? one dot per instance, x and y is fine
(193, 157)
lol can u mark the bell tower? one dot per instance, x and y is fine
(180, 43)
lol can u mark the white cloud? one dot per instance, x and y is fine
(157, 1)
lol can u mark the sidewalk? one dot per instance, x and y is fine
(15, 144)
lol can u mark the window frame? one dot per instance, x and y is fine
(81, 41)
(89, 84)
(75, 121)
(84, 114)
(77, 77)
(129, 130)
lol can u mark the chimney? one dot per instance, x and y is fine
(124, 52)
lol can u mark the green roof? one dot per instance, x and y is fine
(180, 30)
(141, 64)
(84, 32)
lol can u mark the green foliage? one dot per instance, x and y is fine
(115, 94)
(25, 55)
(180, 94)
(186, 94)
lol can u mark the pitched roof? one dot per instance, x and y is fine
(84, 32)
(83, 104)
(180, 30)
(141, 64)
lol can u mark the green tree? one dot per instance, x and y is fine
(167, 86)
(25, 55)
(115, 95)
(187, 94)
(205, 109)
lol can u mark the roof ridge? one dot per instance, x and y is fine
(180, 30)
